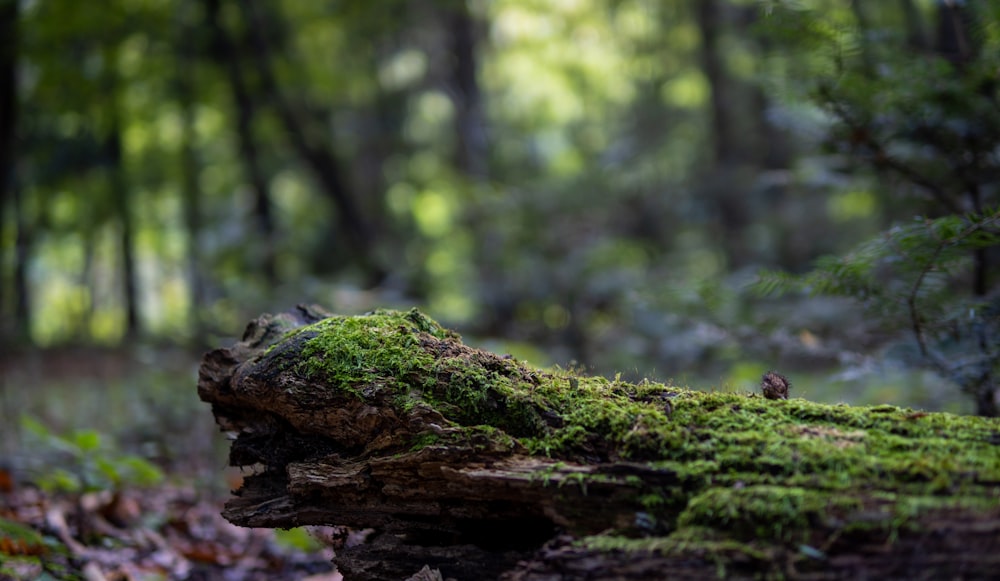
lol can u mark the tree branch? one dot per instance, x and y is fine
(320, 159)
(882, 159)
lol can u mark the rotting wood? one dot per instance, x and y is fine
(480, 466)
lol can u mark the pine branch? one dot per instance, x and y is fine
(881, 157)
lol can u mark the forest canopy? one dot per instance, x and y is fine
(592, 182)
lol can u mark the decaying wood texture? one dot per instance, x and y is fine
(480, 466)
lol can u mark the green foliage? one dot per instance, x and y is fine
(22, 546)
(297, 538)
(87, 463)
(594, 113)
(567, 197)
(18, 534)
(911, 262)
(929, 122)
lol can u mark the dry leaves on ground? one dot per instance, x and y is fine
(164, 533)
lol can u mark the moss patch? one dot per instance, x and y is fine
(749, 475)
(381, 349)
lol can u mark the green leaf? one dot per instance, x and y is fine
(87, 440)
(773, 283)
(297, 538)
(43, 433)
(60, 480)
(139, 471)
(35, 427)
(109, 470)
(16, 531)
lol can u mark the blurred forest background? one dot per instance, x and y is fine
(692, 191)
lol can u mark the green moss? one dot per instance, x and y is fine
(693, 544)
(374, 351)
(424, 440)
(766, 512)
(749, 474)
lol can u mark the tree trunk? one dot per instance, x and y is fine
(728, 201)
(119, 188)
(191, 192)
(864, 32)
(472, 160)
(318, 156)
(123, 207)
(83, 325)
(482, 467)
(724, 140)
(955, 40)
(228, 57)
(471, 154)
(957, 43)
(916, 33)
(23, 243)
(8, 129)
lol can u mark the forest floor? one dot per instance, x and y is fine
(73, 505)
(157, 533)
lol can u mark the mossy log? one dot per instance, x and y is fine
(482, 466)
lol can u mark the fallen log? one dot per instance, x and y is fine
(480, 466)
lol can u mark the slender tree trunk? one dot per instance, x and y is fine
(123, 206)
(121, 195)
(916, 33)
(956, 42)
(380, 126)
(84, 324)
(471, 154)
(382, 123)
(864, 31)
(190, 171)
(23, 243)
(727, 200)
(768, 145)
(8, 129)
(313, 149)
(226, 54)
(724, 142)
(471, 159)
(8, 123)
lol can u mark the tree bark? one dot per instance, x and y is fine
(728, 201)
(916, 33)
(955, 40)
(482, 467)
(471, 154)
(957, 43)
(356, 231)
(23, 243)
(190, 169)
(229, 58)
(724, 140)
(9, 40)
(119, 188)
(864, 34)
